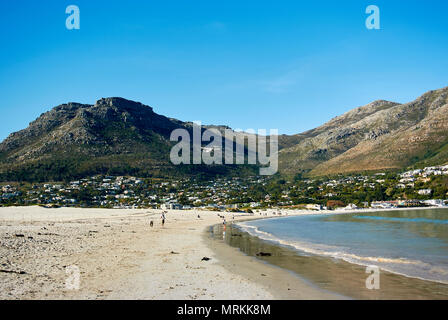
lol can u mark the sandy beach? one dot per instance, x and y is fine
(119, 256)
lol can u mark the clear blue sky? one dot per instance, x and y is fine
(290, 65)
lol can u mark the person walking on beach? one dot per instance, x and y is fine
(163, 217)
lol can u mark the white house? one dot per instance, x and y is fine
(424, 192)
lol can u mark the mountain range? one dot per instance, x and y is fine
(378, 136)
(121, 137)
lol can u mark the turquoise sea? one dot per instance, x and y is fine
(413, 243)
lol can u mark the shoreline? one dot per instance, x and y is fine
(281, 283)
(399, 286)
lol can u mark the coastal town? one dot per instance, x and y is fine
(415, 188)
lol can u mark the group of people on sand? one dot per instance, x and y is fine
(273, 213)
(162, 216)
(224, 222)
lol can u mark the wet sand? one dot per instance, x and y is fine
(279, 281)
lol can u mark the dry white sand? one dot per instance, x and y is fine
(120, 256)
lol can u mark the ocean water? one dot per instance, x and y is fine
(413, 243)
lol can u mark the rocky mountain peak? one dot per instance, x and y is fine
(123, 104)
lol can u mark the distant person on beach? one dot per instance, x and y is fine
(224, 221)
(163, 217)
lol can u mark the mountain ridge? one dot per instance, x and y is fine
(367, 141)
(112, 136)
(121, 136)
